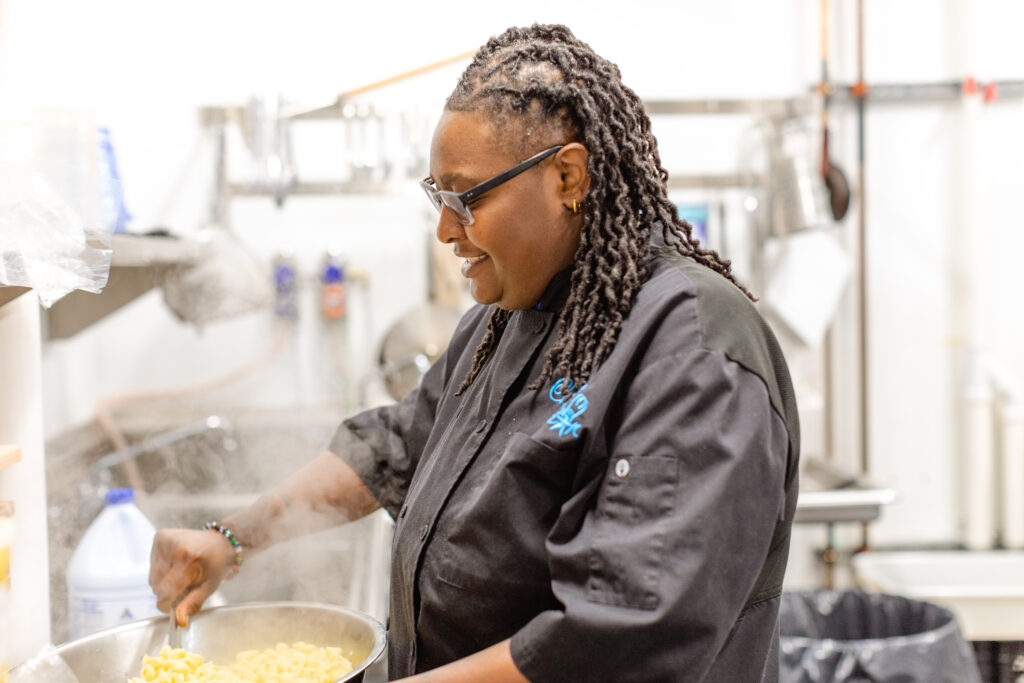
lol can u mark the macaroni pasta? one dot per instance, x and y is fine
(298, 663)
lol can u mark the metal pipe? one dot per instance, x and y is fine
(1011, 443)
(828, 389)
(903, 93)
(862, 265)
(1009, 451)
(698, 181)
(787, 108)
(978, 460)
(221, 190)
(335, 108)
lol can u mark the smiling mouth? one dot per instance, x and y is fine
(470, 261)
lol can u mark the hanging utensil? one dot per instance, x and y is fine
(835, 180)
(308, 111)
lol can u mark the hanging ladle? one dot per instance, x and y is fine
(836, 184)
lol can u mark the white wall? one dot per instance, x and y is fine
(144, 73)
(25, 482)
(145, 68)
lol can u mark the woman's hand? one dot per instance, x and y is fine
(185, 568)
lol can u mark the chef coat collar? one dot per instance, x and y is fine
(657, 243)
(556, 293)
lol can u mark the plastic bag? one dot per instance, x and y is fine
(52, 236)
(46, 667)
(846, 636)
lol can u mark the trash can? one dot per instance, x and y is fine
(845, 636)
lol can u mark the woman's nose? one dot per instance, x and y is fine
(449, 229)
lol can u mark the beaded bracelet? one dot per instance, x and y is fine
(227, 533)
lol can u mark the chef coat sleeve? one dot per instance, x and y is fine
(384, 444)
(674, 533)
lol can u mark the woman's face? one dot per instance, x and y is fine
(522, 233)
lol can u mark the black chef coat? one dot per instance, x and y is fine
(632, 529)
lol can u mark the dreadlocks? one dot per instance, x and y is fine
(544, 83)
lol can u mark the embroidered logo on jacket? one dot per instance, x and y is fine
(571, 406)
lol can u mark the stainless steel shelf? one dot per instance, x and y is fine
(725, 181)
(137, 265)
(135, 251)
(312, 188)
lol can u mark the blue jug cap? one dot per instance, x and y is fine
(119, 496)
(333, 273)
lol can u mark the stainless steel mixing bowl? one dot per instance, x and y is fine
(219, 633)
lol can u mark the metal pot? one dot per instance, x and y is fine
(219, 633)
(413, 343)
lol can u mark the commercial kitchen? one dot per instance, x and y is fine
(215, 248)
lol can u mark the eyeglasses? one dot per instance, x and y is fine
(459, 202)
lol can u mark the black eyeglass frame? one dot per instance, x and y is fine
(459, 202)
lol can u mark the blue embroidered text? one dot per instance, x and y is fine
(571, 406)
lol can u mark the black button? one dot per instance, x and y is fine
(401, 513)
(480, 427)
(539, 326)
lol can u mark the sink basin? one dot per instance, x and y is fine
(985, 589)
(829, 495)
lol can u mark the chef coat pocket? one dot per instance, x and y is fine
(533, 465)
(461, 595)
(630, 520)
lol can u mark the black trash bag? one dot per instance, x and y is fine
(852, 636)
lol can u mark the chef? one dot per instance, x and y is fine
(597, 480)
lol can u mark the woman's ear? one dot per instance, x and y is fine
(572, 164)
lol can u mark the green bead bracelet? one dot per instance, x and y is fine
(228, 534)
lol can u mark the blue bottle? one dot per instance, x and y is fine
(115, 215)
(285, 286)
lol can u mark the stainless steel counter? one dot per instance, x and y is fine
(829, 495)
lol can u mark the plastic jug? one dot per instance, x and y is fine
(108, 578)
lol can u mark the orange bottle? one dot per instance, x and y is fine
(332, 289)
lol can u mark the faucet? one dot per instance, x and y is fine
(100, 468)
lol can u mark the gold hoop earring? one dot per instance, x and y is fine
(575, 208)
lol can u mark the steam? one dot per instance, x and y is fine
(211, 475)
(344, 565)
